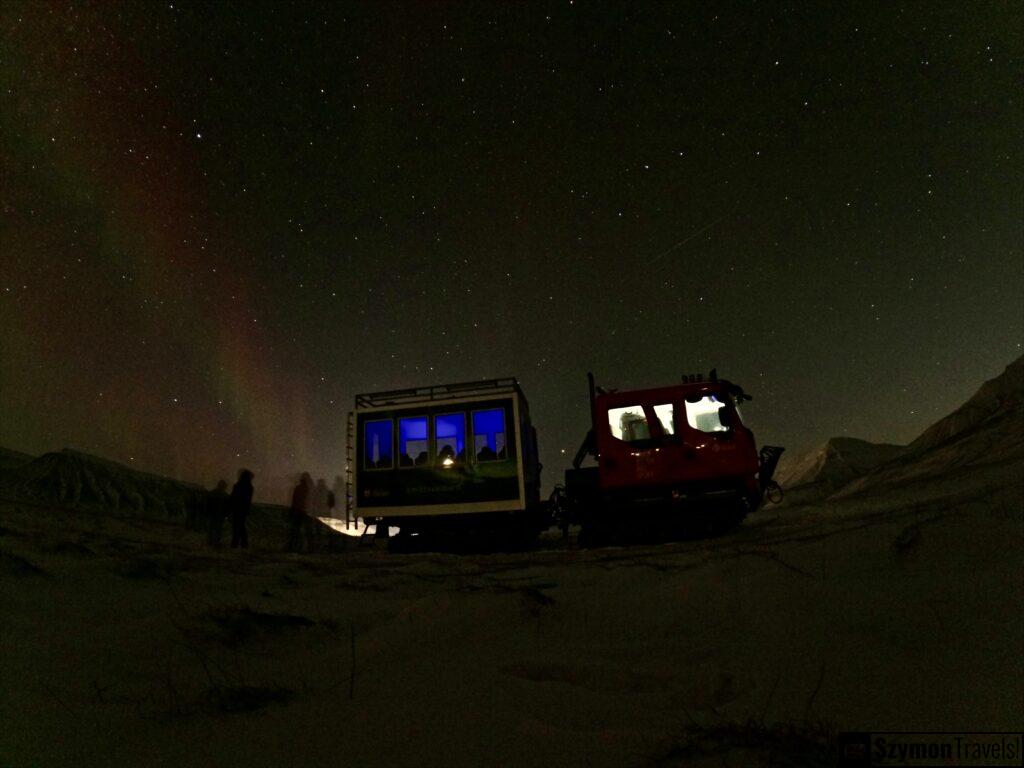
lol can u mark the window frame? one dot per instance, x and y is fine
(398, 439)
(504, 434)
(366, 423)
(432, 433)
(624, 408)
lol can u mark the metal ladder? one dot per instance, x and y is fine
(349, 459)
(378, 539)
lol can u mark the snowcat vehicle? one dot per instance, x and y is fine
(449, 459)
(674, 458)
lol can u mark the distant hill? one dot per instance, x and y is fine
(986, 430)
(74, 479)
(70, 479)
(834, 464)
(13, 459)
(1001, 395)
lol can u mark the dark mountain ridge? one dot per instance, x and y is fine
(72, 478)
(987, 430)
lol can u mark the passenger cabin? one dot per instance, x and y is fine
(465, 449)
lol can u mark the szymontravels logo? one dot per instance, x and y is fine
(929, 750)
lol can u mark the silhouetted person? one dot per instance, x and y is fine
(239, 505)
(319, 510)
(299, 512)
(216, 512)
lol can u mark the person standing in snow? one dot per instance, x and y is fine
(299, 512)
(239, 505)
(216, 512)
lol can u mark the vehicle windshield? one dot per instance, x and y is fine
(705, 414)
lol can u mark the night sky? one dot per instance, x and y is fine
(220, 221)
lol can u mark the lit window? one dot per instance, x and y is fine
(629, 423)
(666, 416)
(377, 451)
(412, 441)
(489, 434)
(450, 438)
(703, 414)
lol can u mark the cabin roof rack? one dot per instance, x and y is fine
(439, 392)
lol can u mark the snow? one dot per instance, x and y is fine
(1004, 391)
(835, 463)
(132, 643)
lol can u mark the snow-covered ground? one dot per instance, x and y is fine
(127, 642)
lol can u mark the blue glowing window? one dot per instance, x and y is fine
(450, 438)
(489, 435)
(377, 450)
(412, 441)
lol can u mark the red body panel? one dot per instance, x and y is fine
(688, 457)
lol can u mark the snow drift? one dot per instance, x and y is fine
(837, 462)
